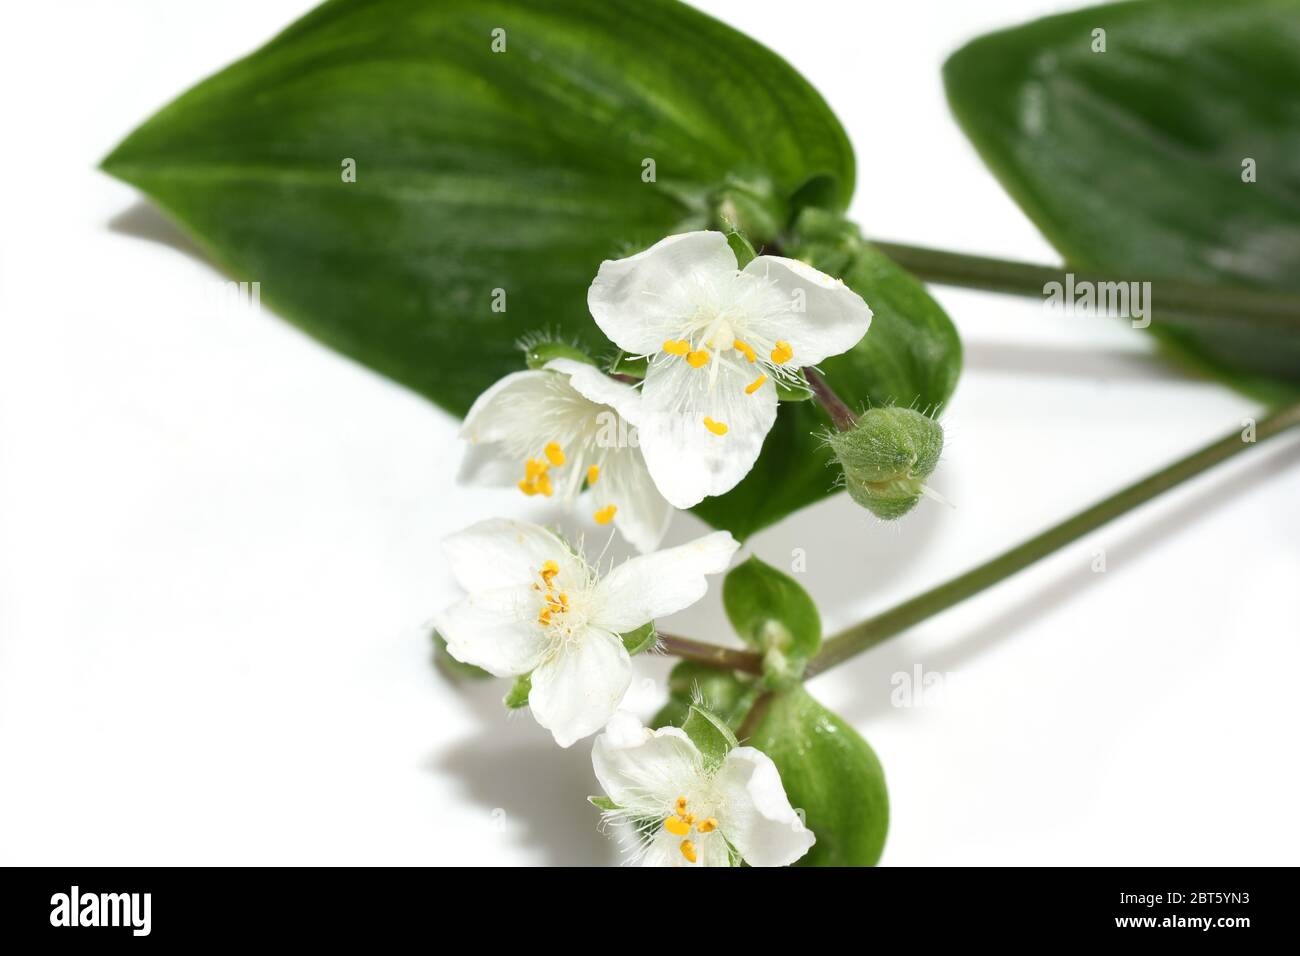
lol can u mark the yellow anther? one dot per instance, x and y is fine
(677, 826)
(534, 468)
(678, 347)
(564, 600)
(544, 484)
(681, 806)
(718, 428)
(549, 570)
(688, 851)
(593, 472)
(689, 818)
(782, 353)
(744, 349)
(544, 618)
(707, 826)
(528, 487)
(606, 514)
(755, 385)
(698, 359)
(554, 454)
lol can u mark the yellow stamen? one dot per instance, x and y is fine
(528, 487)
(592, 474)
(782, 353)
(718, 428)
(677, 826)
(549, 570)
(544, 484)
(554, 454)
(534, 468)
(744, 349)
(679, 347)
(564, 600)
(707, 826)
(606, 514)
(681, 806)
(544, 618)
(755, 385)
(698, 359)
(688, 851)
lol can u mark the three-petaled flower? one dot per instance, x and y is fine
(536, 606)
(684, 812)
(569, 428)
(718, 339)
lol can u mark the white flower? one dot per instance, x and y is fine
(569, 428)
(686, 814)
(534, 606)
(718, 338)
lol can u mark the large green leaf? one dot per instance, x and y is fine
(479, 170)
(831, 774)
(1130, 160)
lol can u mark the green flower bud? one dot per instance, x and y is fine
(886, 458)
(750, 207)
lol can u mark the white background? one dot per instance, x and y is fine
(218, 539)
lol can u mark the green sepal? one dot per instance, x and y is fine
(626, 365)
(745, 253)
(603, 803)
(518, 696)
(724, 693)
(710, 734)
(537, 354)
(642, 639)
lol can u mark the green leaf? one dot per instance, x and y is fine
(642, 639)
(770, 610)
(709, 733)
(518, 695)
(831, 774)
(503, 179)
(910, 357)
(724, 693)
(451, 668)
(1130, 161)
(475, 170)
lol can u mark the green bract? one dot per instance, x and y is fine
(773, 614)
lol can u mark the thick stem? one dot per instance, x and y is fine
(1189, 302)
(839, 412)
(857, 639)
(711, 654)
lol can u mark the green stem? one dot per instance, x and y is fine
(868, 634)
(711, 654)
(1189, 302)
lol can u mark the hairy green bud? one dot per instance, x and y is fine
(886, 458)
(540, 348)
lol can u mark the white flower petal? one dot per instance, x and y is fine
(688, 461)
(653, 585)
(642, 514)
(640, 301)
(834, 317)
(597, 387)
(645, 770)
(755, 814)
(579, 687)
(495, 415)
(494, 630)
(499, 553)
